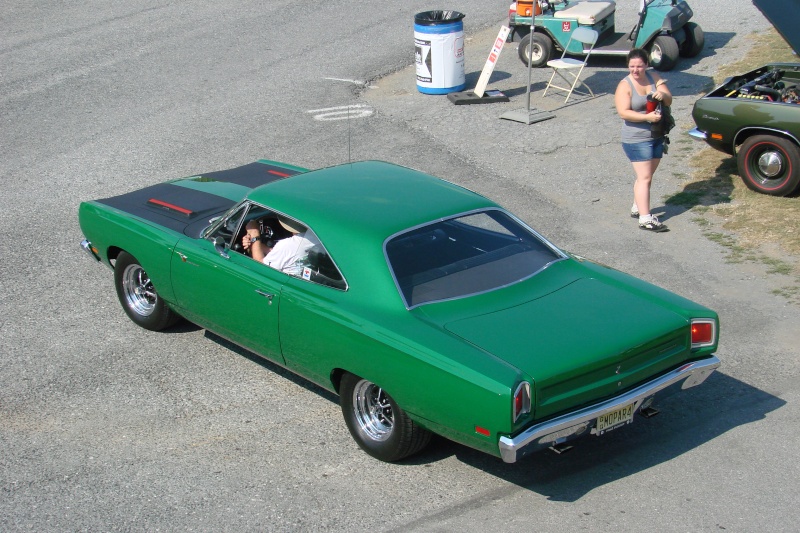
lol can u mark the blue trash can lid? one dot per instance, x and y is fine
(434, 18)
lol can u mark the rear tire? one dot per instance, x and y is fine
(664, 53)
(138, 296)
(539, 53)
(769, 164)
(695, 40)
(379, 426)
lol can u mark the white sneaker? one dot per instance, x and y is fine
(651, 223)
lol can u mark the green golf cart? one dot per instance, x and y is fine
(663, 29)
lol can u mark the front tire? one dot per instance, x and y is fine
(379, 426)
(695, 40)
(664, 53)
(535, 47)
(138, 296)
(769, 164)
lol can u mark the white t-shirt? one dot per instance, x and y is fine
(287, 252)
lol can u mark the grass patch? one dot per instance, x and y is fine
(751, 226)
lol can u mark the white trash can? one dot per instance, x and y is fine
(439, 41)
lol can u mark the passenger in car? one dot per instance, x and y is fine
(286, 253)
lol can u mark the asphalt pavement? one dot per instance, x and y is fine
(104, 426)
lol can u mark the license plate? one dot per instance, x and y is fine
(614, 419)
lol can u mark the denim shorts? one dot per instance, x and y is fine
(645, 150)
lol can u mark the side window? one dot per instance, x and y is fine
(317, 266)
(290, 246)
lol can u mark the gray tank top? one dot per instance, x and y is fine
(636, 132)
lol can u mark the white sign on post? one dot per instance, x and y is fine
(488, 68)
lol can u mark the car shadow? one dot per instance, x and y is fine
(273, 367)
(687, 421)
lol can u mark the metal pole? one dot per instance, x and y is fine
(528, 115)
(530, 57)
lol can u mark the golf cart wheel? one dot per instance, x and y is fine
(695, 40)
(536, 48)
(664, 53)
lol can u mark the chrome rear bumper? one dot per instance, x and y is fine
(583, 421)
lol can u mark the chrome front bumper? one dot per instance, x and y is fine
(578, 423)
(87, 247)
(697, 135)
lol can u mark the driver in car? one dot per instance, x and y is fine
(286, 253)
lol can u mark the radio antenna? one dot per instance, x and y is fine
(349, 160)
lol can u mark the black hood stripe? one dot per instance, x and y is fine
(169, 205)
(176, 207)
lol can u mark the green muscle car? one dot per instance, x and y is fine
(426, 307)
(756, 117)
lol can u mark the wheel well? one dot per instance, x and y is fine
(113, 253)
(519, 32)
(336, 378)
(746, 133)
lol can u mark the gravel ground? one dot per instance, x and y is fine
(106, 427)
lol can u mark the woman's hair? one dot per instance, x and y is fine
(638, 53)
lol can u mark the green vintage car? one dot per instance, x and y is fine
(756, 117)
(427, 307)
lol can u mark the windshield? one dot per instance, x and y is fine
(465, 255)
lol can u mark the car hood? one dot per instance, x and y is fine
(584, 342)
(185, 205)
(785, 16)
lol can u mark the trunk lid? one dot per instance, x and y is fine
(586, 341)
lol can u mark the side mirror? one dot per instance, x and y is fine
(221, 247)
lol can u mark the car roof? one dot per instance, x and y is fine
(366, 200)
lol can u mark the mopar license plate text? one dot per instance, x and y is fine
(614, 419)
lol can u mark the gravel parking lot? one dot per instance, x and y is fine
(104, 426)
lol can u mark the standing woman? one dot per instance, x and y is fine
(643, 150)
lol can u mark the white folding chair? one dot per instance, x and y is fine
(564, 66)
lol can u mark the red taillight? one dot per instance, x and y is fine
(522, 400)
(703, 333)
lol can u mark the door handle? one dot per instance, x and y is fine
(268, 295)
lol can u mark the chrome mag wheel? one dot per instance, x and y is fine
(373, 410)
(377, 423)
(140, 295)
